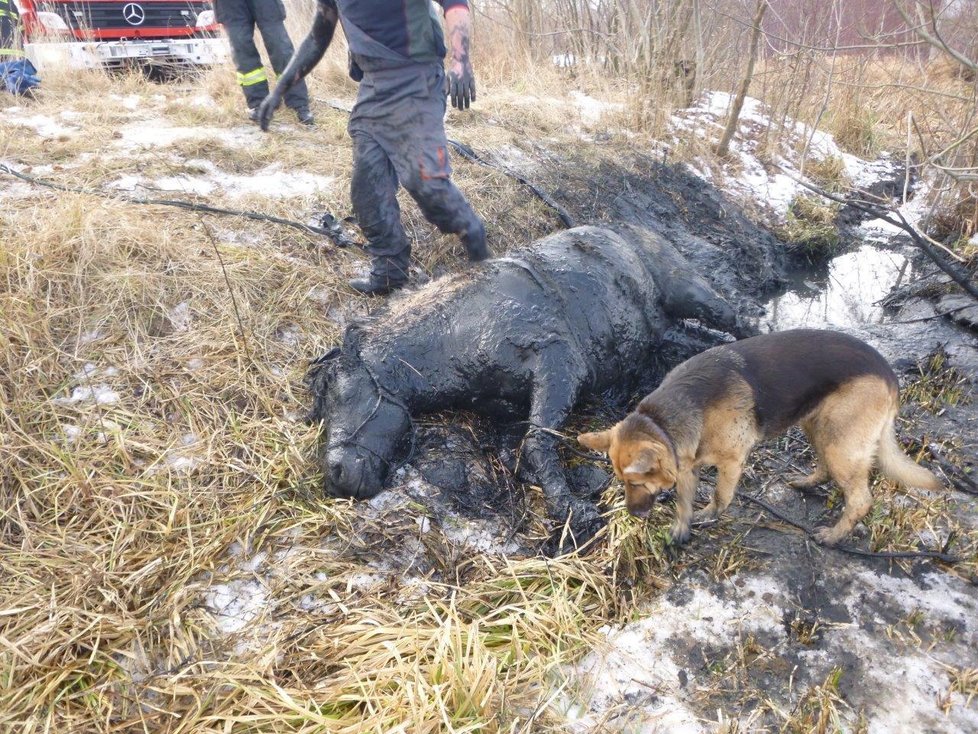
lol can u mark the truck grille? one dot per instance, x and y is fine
(99, 15)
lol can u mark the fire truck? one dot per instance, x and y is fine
(114, 33)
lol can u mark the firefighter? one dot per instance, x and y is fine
(9, 31)
(239, 18)
(397, 124)
(17, 74)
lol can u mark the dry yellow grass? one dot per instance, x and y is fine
(152, 456)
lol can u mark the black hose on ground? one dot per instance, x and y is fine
(334, 232)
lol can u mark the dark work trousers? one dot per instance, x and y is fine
(398, 132)
(240, 18)
(9, 32)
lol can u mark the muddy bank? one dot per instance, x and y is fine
(758, 625)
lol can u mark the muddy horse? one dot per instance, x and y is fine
(523, 336)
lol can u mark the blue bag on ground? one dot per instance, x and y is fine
(19, 76)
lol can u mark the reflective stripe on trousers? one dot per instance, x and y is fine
(255, 76)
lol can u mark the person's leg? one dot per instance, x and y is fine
(251, 73)
(373, 191)
(419, 150)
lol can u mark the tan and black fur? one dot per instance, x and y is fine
(712, 409)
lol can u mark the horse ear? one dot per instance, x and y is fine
(317, 381)
(352, 338)
(321, 361)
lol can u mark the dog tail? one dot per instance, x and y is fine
(899, 467)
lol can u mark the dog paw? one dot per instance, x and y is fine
(679, 533)
(826, 536)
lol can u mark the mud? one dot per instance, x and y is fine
(757, 618)
(748, 642)
(521, 338)
(742, 260)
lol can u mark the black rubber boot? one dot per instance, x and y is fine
(305, 116)
(376, 285)
(475, 244)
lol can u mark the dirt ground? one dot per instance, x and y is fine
(169, 562)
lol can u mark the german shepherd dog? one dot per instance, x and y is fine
(712, 409)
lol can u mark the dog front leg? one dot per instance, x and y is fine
(728, 475)
(686, 484)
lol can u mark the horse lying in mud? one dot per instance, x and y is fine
(523, 336)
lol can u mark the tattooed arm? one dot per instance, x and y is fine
(304, 60)
(461, 79)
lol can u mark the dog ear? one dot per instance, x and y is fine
(597, 441)
(649, 458)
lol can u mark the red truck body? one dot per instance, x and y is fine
(113, 32)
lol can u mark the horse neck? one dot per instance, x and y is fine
(390, 360)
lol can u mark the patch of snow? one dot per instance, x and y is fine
(90, 337)
(902, 687)
(272, 181)
(90, 370)
(158, 133)
(130, 102)
(511, 157)
(186, 184)
(636, 660)
(290, 335)
(43, 125)
(914, 211)
(478, 535)
(181, 317)
(908, 686)
(934, 594)
(237, 604)
(563, 61)
(768, 179)
(591, 110)
(97, 394)
(202, 100)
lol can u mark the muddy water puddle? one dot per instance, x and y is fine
(847, 295)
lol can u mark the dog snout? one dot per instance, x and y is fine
(639, 511)
(639, 504)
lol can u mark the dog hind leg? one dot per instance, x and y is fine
(819, 474)
(851, 473)
(847, 426)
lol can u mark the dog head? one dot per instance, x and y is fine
(642, 457)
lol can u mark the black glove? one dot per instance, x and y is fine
(267, 109)
(460, 85)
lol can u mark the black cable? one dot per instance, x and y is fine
(334, 233)
(770, 509)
